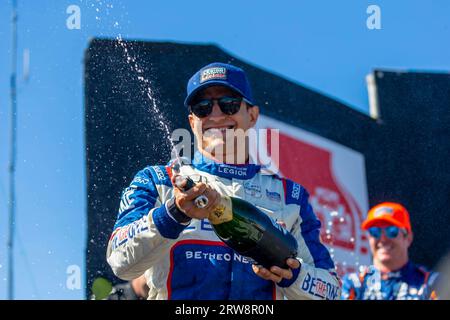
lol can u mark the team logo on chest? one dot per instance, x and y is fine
(273, 196)
(253, 190)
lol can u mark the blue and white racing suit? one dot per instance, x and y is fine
(409, 283)
(188, 261)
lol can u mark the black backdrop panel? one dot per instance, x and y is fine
(411, 155)
(404, 149)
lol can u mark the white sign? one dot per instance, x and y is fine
(335, 178)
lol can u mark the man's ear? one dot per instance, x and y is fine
(254, 114)
(191, 121)
(410, 236)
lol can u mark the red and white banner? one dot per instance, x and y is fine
(335, 177)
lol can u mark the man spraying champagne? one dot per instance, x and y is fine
(161, 231)
(246, 229)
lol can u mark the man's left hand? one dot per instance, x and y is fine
(276, 274)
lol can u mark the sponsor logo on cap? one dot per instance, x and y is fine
(382, 211)
(213, 73)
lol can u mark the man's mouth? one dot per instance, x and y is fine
(221, 129)
(385, 247)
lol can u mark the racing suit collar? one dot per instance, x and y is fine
(223, 170)
(406, 269)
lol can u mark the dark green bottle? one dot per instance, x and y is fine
(250, 232)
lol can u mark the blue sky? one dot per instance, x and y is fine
(324, 45)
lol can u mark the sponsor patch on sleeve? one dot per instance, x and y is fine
(122, 235)
(294, 192)
(160, 175)
(320, 288)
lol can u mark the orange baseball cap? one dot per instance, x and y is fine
(390, 212)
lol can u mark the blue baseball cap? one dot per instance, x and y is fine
(219, 74)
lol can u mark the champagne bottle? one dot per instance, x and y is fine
(249, 231)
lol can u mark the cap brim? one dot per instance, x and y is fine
(211, 84)
(373, 222)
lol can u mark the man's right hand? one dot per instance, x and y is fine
(184, 200)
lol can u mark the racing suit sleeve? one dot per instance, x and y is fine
(348, 286)
(316, 278)
(144, 230)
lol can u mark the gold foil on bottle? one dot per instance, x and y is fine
(223, 212)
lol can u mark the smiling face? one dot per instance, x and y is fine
(214, 131)
(390, 254)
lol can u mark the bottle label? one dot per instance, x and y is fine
(223, 212)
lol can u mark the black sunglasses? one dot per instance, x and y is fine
(228, 105)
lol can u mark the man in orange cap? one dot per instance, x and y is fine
(392, 276)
